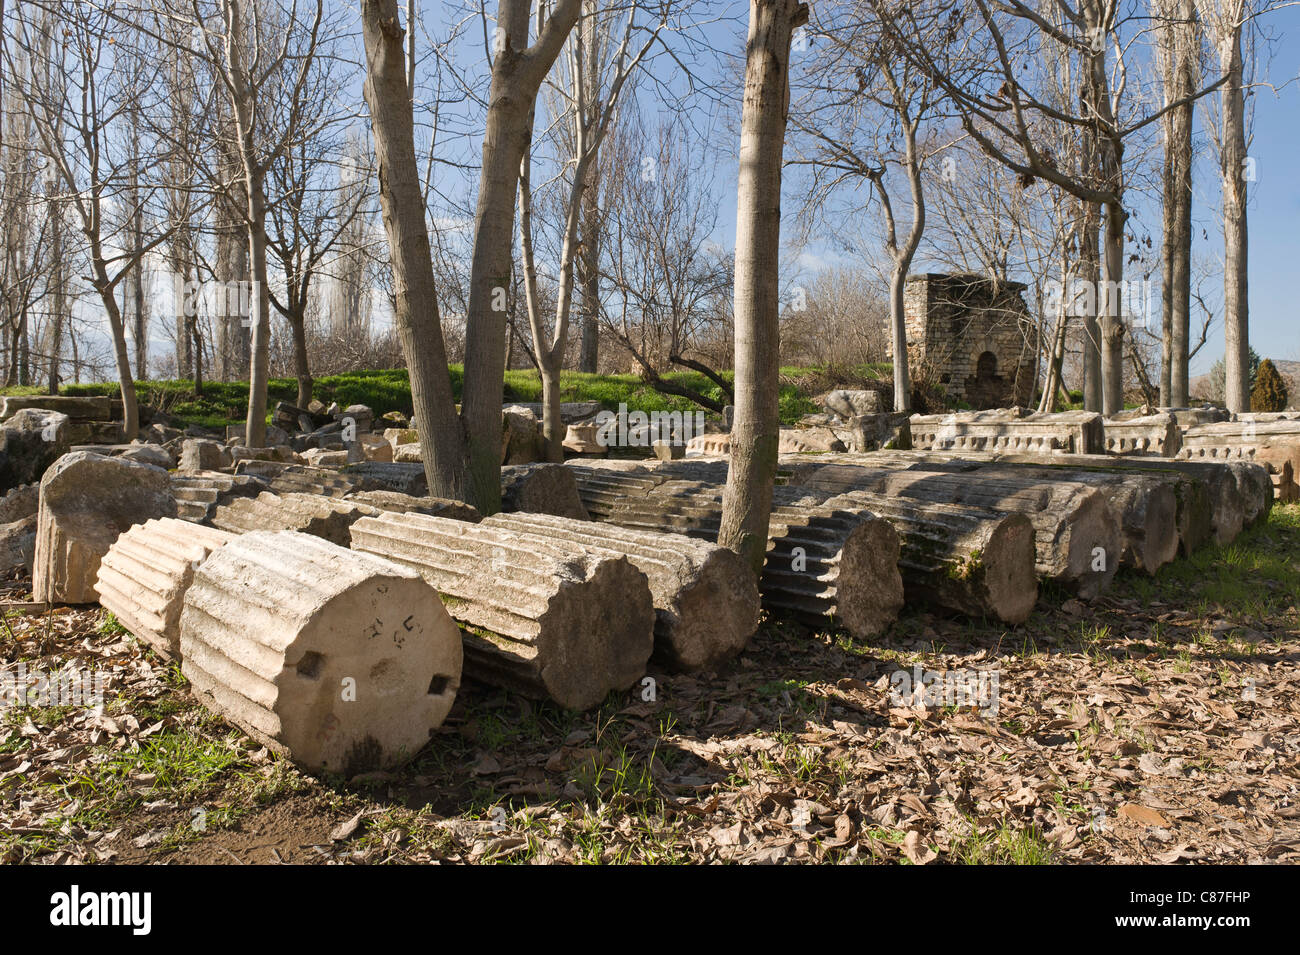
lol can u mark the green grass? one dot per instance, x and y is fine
(1005, 846)
(226, 402)
(1255, 576)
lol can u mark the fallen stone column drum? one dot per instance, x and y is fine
(822, 563)
(548, 619)
(325, 517)
(86, 501)
(1079, 542)
(342, 661)
(541, 489)
(970, 560)
(706, 600)
(145, 574)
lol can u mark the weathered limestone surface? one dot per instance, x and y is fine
(875, 431)
(143, 578)
(396, 437)
(601, 488)
(343, 662)
(23, 501)
(546, 619)
(1213, 498)
(521, 441)
(18, 511)
(272, 452)
(584, 438)
(669, 450)
(303, 479)
(1157, 434)
(145, 453)
(30, 441)
(314, 514)
(709, 444)
(1066, 432)
(542, 489)
(1078, 535)
(375, 448)
(86, 501)
(706, 600)
(18, 544)
(822, 562)
(405, 478)
(1239, 492)
(200, 493)
(319, 457)
(1272, 441)
(601, 484)
(809, 441)
(847, 404)
(571, 412)
(410, 504)
(90, 408)
(1146, 504)
(971, 560)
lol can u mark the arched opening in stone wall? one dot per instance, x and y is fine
(985, 388)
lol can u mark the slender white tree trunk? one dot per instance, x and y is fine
(747, 500)
(1236, 311)
(419, 325)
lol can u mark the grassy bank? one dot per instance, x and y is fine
(390, 390)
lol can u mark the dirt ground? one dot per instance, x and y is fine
(1157, 723)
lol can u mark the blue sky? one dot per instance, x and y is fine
(1274, 205)
(1274, 214)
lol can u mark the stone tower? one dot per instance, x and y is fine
(973, 337)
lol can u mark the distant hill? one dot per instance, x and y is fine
(1290, 370)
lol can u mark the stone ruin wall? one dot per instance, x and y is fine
(953, 320)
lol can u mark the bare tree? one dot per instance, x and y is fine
(518, 70)
(318, 206)
(1178, 51)
(1226, 22)
(666, 277)
(262, 56)
(415, 302)
(1003, 108)
(747, 499)
(595, 74)
(866, 118)
(77, 122)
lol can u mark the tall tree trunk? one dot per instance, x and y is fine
(517, 73)
(1089, 273)
(1056, 355)
(260, 320)
(898, 337)
(1179, 49)
(755, 434)
(196, 349)
(60, 298)
(135, 278)
(1236, 313)
(180, 260)
(259, 297)
(122, 357)
(589, 279)
(301, 364)
(419, 326)
(1112, 320)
